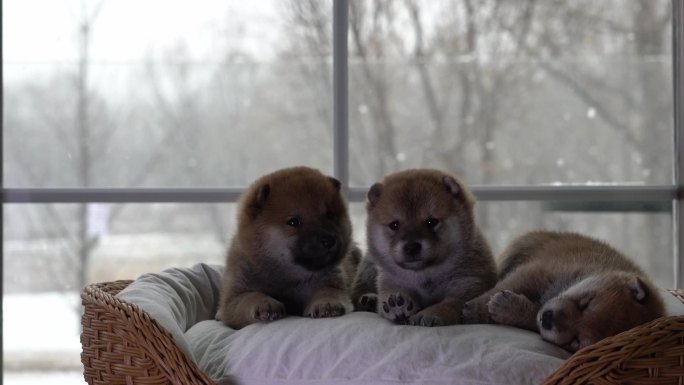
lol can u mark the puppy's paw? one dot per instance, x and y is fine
(426, 318)
(268, 309)
(398, 308)
(325, 309)
(469, 313)
(475, 311)
(505, 305)
(367, 302)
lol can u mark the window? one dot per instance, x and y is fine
(128, 136)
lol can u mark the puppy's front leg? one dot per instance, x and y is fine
(250, 307)
(513, 309)
(446, 312)
(475, 311)
(328, 302)
(364, 291)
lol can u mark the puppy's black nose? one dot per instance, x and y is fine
(412, 249)
(327, 241)
(547, 320)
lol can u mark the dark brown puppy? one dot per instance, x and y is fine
(425, 252)
(292, 252)
(572, 289)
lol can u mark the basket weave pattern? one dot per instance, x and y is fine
(652, 353)
(123, 345)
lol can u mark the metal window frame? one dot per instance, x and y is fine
(678, 80)
(2, 185)
(602, 193)
(586, 193)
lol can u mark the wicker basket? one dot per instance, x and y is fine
(123, 345)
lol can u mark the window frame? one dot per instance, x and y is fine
(678, 183)
(671, 194)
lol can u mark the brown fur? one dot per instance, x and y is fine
(292, 252)
(426, 254)
(572, 289)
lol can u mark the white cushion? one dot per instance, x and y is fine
(358, 348)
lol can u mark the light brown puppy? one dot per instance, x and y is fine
(292, 252)
(425, 252)
(572, 289)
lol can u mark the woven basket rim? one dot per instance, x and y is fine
(152, 337)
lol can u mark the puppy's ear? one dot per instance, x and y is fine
(336, 183)
(454, 188)
(640, 291)
(259, 199)
(262, 194)
(451, 185)
(374, 194)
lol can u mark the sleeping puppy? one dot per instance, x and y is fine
(572, 289)
(426, 256)
(292, 252)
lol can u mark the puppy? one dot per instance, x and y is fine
(572, 289)
(426, 256)
(292, 252)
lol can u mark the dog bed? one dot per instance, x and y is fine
(160, 329)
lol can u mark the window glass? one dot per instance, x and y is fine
(512, 92)
(644, 236)
(119, 93)
(51, 247)
(51, 251)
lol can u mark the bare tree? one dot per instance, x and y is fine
(462, 70)
(85, 242)
(77, 147)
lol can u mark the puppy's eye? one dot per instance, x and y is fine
(394, 225)
(574, 345)
(431, 223)
(294, 222)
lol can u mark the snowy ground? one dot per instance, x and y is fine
(51, 378)
(41, 339)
